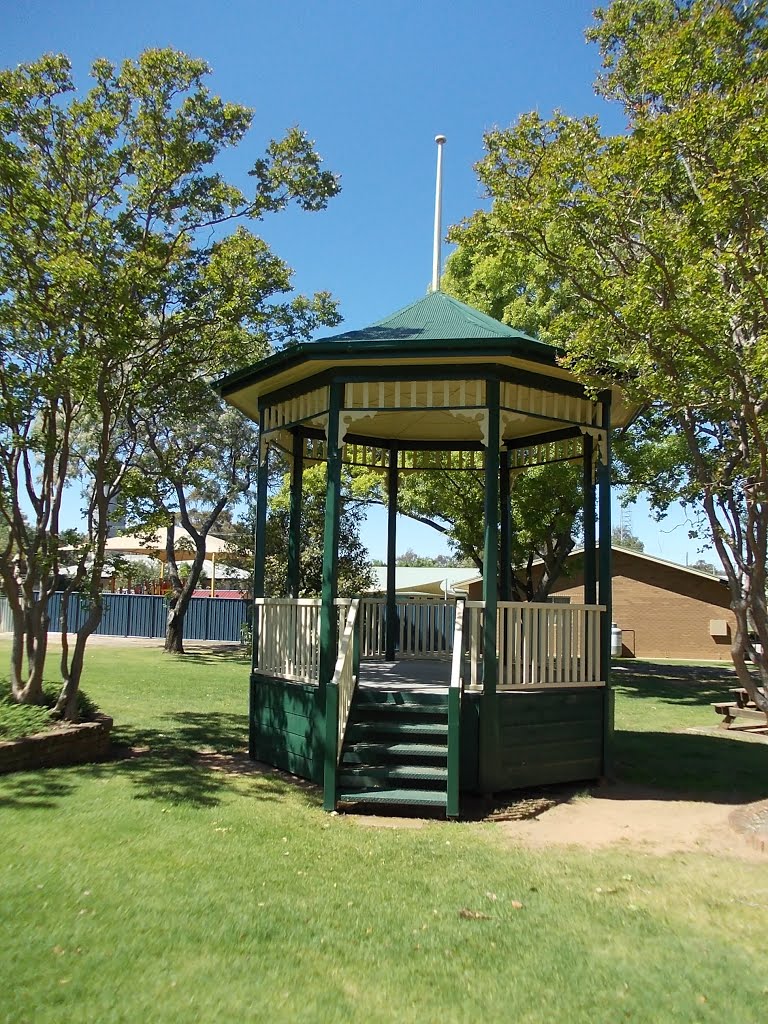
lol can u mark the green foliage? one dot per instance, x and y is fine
(410, 557)
(355, 574)
(656, 240)
(626, 539)
(19, 720)
(546, 509)
(298, 919)
(129, 276)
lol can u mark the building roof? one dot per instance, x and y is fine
(410, 579)
(436, 317)
(617, 548)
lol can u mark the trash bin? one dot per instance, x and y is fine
(616, 645)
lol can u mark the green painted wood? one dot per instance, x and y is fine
(519, 777)
(519, 734)
(454, 753)
(505, 509)
(605, 582)
(251, 721)
(331, 747)
(289, 760)
(391, 611)
(489, 725)
(470, 743)
(417, 797)
(370, 775)
(588, 489)
(299, 698)
(553, 706)
(277, 722)
(328, 635)
(294, 524)
(392, 751)
(393, 727)
(262, 485)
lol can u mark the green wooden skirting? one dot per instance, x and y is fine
(543, 738)
(286, 726)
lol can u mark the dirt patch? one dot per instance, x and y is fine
(632, 816)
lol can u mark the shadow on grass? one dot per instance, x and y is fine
(34, 790)
(215, 655)
(200, 758)
(713, 768)
(687, 685)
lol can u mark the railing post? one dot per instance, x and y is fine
(489, 718)
(605, 582)
(331, 746)
(454, 717)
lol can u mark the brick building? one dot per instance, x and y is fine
(664, 610)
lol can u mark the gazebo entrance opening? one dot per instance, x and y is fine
(520, 692)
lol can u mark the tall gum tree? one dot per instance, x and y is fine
(656, 241)
(116, 254)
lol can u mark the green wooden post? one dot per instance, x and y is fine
(260, 546)
(259, 558)
(505, 573)
(605, 581)
(331, 747)
(328, 637)
(590, 591)
(327, 713)
(489, 718)
(294, 527)
(391, 607)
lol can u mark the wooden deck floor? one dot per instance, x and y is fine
(406, 674)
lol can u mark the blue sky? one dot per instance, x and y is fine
(372, 84)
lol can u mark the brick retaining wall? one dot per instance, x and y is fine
(66, 744)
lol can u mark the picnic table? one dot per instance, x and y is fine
(741, 712)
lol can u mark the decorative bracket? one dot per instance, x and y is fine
(601, 438)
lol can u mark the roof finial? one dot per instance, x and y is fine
(440, 140)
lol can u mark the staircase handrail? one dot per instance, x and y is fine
(454, 714)
(346, 673)
(339, 697)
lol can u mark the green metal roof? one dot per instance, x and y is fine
(436, 317)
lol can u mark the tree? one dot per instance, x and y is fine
(626, 539)
(355, 574)
(119, 283)
(200, 460)
(658, 240)
(545, 512)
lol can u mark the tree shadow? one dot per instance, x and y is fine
(235, 654)
(713, 768)
(200, 758)
(688, 685)
(34, 790)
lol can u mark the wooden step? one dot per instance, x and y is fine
(402, 699)
(394, 727)
(372, 775)
(375, 753)
(425, 797)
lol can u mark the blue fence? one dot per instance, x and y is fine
(207, 618)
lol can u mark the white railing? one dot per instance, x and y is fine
(6, 618)
(288, 637)
(424, 627)
(538, 644)
(345, 674)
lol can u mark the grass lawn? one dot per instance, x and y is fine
(154, 890)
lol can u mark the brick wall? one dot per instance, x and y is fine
(67, 744)
(668, 607)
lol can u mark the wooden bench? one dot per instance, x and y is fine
(741, 708)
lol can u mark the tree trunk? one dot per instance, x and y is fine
(174, 627)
